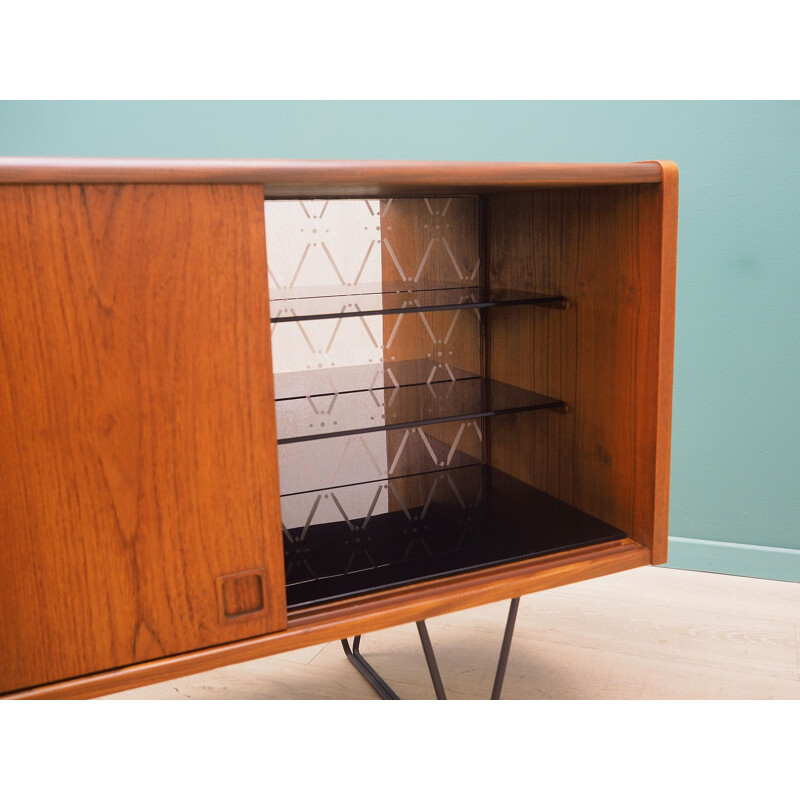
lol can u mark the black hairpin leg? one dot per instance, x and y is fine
(365, 668)
(433, 667)
(505, 649)
(385, 691)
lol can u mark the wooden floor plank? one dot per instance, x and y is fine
(709, 638)
(730, 594)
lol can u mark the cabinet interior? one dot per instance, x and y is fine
(454, 381)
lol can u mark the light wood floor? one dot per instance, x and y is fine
(651, 633)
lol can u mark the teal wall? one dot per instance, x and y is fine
(736, 429)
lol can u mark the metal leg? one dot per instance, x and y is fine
(386, 693)
(505, 649)
(433, 668)
(365, 668)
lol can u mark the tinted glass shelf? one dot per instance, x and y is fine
(363, 377)
(330, 302)
(350, 461)
(363, 539)
(322, 415)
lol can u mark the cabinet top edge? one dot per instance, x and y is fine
(287, 178)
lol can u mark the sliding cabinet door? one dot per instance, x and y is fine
(139, 511)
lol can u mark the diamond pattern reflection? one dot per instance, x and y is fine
(339, 533)
(370, 499)
(347, 244)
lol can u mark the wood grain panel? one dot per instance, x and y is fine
(658, 232)
(137, 430)
(303, 179)
(608, 356)
(434, 241)
(363, 615)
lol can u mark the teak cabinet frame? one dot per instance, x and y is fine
(139, 504)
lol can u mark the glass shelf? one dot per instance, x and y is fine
(366, 538)
(363, 377)
(359, 460)
(330, 302)
(390, 406)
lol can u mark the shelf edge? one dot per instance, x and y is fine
(550, 404)
(558, 302)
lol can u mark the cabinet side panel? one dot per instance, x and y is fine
(139, 501)
(600, 356)
(658, 234)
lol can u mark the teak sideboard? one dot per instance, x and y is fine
(250, 406)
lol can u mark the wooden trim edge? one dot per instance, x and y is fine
(288, 177)
(350, 618)
(666, 345)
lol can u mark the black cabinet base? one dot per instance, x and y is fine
(472, 518)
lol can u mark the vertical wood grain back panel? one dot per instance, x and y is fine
(137, 431)
(596, 246)
(432, 241)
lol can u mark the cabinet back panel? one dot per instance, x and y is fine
(137, 436)
(436, 240)
(601, 248)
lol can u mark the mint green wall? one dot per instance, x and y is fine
(736, 430)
